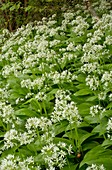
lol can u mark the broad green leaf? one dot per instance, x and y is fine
(84, 137)
(107, 143)
(83, 92)
(101, 128)
(109, 105)
(81, 86)
(81, 78)
(59, 128)
(92, 98)
(31, 147)
(80, 135)
(84, 108)
(35, 105)
(39, 144)
(97, 154)
(51, 95)
(12, 8)
(107, 113)
(89, 145)
(91, 120)
(39, 159)
(2, 134)
(67, 141)
(9, 151)
(28, 8)
(24, 152)
(36, 146)
(25, 112)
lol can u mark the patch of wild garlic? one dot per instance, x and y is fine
(54, 75)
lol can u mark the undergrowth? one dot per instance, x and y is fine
(56, 93)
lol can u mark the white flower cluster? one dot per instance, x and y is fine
(12, 137)
(80, 25)
(65, 109)
(4, 93)
(7, 113)
(90, 67)
(92, 52)
(40, 96)
(109, 128)
(96, 167)
(34, 123)
(108, 40)
(102, 95)
(96, 110)
(110, 97)
(55, 154)
(37, 83)
(92, 82)
(15, 163)
(43, 56)
(65, 76)
(10, 69)
(107, 80)
(33, 126)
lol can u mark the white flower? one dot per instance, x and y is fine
(9, 138)
(96, 110)
(90, 67)
(96, 167)
(109, 126)
(110, 97)
(54, 155)
(92, 82)
(65, 109)
(40, 96)
(102, 96)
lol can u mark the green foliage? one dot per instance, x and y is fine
(14, 13)
(56, 92)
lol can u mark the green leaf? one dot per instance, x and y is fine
(81, 78)
(12, 8)
(91, 120)
(101, 128)
(83, 137)
(89, 145)
(107, 143)
(51, 95)
(92, 98)
(83, 92)
(59, 128)
(70, 167)
(107, 113)
(25, 112)
(9, 151)
(28, 8)
(98, 155)
(67, 141)
(24, 152)
(39, 159)
(84, 108)
(2, 134)
(81, 86)
(35, 105)
(109, 105)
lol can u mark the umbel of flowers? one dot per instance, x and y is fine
(56, 93)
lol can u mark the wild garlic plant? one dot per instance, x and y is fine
(56, 93)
